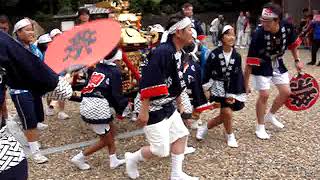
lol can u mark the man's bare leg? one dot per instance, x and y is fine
(282, 97)
(261, 107)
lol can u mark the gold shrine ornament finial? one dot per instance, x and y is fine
(130, 22)
(114, 5)
(118, 6)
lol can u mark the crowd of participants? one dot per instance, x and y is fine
(175, 87)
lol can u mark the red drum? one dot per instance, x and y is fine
(305, 92)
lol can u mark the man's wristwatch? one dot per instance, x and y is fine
(297, 60)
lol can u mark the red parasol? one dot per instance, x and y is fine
(83, 45)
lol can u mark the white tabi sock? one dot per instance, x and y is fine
(113, 158)
(260, 127)
(176, 164)
(79, 156)
(137, 156)
(34, 147)
(114, 161)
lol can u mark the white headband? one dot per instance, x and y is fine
(180, 25)
(117, 56)
(55, 32)
(21, 24)
(44, 39)
(226, 28)
(268, 14)
(157, 28)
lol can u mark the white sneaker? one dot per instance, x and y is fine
(231, 141)
(131, 166)
(117, 163)
(62, 115)
(202, 132)
(273, 120)
(49, 111)
(80, 163)
(261, 132)
(189, 150)
(39, 158)
(42, 126)
(183, 176)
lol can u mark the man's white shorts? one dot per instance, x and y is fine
(165, 132)
(100, 129)
(264, 82)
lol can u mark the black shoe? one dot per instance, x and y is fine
(311, 63)
(318, 64)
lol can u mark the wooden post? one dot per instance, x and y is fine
(309, 5)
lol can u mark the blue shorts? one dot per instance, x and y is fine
(29, 108)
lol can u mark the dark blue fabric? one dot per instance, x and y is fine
(192, 77)
(2, 93)
(160, 66)
(197, 27)
(316, 30)
(213, 70)
(97, 121)
(258, 49)
(30, 109)
(18, 172)
(2, 85)
(110, 88)
(23, 69)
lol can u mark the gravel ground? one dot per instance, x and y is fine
(291, 153)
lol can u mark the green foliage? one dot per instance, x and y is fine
(63, 3)
(167, 9)
(69, 6)
(145, 6)
(40, 16)
(172, 6)
(42, 8)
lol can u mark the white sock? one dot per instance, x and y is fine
(34, 147)
(113, 159)
(176, 164)
(137, 156)
(80, 155)
(260, 127)
(270, 114)
(230, 135)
